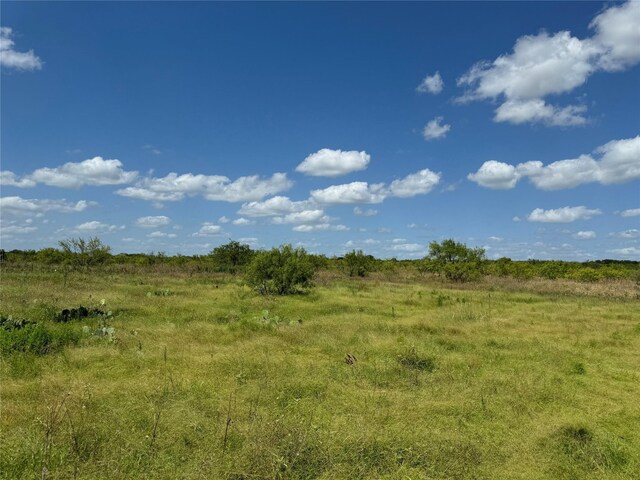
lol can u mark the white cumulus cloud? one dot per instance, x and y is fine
(585, 235)
(208, 230)
(563, 215)
(417, 183)
(25, 206)
(273, 206)
(632, 212)
(94, 171)
(431, 84)
(320, 227)
(153, 221)
(495, 175)
(174, 187)
(334, 163)
(97, 227)
(354, 192)
(414, 184)
(9, 179)
(551, 64)
(619, 162)
(305, 216)
(435, 129)
(10, 58)
(242, 222)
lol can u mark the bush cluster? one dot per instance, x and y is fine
(281, 271)
(32, 337)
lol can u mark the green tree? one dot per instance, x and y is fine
(231, 256)
(357, 263)
(85, 253)
(455, 260)
(281, 271)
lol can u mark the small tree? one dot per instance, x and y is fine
(280, 271)
(358, 263)
(85, 253)
(231, 256)
(455, 260)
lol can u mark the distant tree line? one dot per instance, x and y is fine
(272, 271)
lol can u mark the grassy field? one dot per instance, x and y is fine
(197, 376)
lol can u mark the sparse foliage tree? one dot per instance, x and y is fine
(455, 260)
(280, 271)
(85, 253)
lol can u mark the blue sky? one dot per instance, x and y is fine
(177, 126)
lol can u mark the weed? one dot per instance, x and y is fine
(31, 337)
(588, 451)
(411, 359)
(578, 368)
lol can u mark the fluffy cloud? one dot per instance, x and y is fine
(495, 175)
(153, 221)
(431, 84)
(305, 216)
(562, 215)
(208, 230)
(271, 207)
(333, 163)
(320, 227)
(97, 227)
(25, 206)
(542, 65)
(354, 192)
(632, 212)
(9, 58)
(537, 110)
(175, 187)
(435, 129)
(585, 235)
(9, 179)
(618, 36)
(94, 171)
(242, 222)
(619, 162)
(418, 183)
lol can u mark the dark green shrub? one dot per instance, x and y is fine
(280, 271)
(31, 337)
(231, 257)
(357, 263)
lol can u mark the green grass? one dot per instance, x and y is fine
(213, 381)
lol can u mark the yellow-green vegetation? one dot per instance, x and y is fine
(191, 375)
